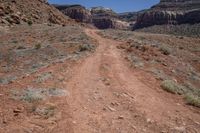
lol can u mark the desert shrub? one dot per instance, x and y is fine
(43, 77)
(31, 96)
(136, 61)
(46, 112)
(21, 47)
(172, 87)
(165, 50)
(30, 22)
(192, 100)
(178, 30)
(191, 94)
(86, 47)
(37, 46)
(14, 41)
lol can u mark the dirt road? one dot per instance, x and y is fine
(107, 96)
(98, 94)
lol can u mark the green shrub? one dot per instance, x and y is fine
(37, 46)
(86, 47)
(191, 94)
(172, 87)
(192, 100)
(165, 50)
(31, 96)
(30, 22)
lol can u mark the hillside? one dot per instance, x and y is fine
(29, 11)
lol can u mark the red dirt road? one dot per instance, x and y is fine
(104, 95)
(107, 96)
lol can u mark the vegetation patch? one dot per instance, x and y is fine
(136, 61)
(192, 100)
(165, 50)
(172, 87)
(32, 95)
(43, 77)
(7, 79)
(30, 23)
(159, 74)
(37, 46)
(191, 94)
(86, 47)
(178, 30)
(46, 112)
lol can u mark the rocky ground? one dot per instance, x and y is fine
(30, 58)
(71, 79)
(167, 57)
(190, 30)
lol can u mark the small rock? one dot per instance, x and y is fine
(104, 109)
(18, 110)
(121, 117)
(111, 109)
(148, 120)
(107, 83)
(5, 121)
(164, 64)
(180, 129)
(114, 103)
(198, 123)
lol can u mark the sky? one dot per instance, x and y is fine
(117, 5)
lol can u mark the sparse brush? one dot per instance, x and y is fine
(31, 96)
(192, 95)
(172, 87)
(165, 50)
(86, 47)
(192, 100)
(37, 46)
(30, 23)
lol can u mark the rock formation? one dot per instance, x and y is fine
(170, 12)
(77, 12)
(104, 18)
(29, 11)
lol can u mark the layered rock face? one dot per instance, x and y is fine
(170, 12)
(105, 18)
(29, 11)
(107, 23)
(77, 12)
(128, 16)
(102, 18)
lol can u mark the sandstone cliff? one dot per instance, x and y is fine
(102, 18)
(170, 12)
(77, 12)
